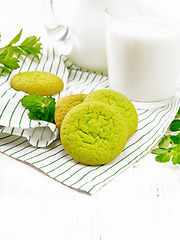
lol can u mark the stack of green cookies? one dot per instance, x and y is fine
(94, 128)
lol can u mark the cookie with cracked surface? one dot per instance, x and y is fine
(37, 82)
(94, 133)
(65, 104)
(119, 101)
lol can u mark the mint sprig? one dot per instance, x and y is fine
(169, 147)
(8, 54)
(40, 108)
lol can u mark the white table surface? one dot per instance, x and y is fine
(141, 203)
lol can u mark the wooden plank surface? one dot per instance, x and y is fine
(141, 203)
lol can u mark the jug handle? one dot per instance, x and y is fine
(58, 32)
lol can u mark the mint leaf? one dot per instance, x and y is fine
(158, 151)
(178, 114)
(16, 38)
(32, 101)
(163, 157)
(175, 125)
(4, 69)
(11, 63)
(176, 139)
(164, 143)
(40, 108)
(169, 146)
(8, 58)
(31, 46)
(49, 108)
(176, 155)
(3, 53)
(18, 51)
(173, 154)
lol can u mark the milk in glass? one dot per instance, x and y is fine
(144, 57)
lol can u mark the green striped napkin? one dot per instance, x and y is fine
(37, 142)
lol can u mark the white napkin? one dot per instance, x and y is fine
(37, 142)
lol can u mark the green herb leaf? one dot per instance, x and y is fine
(163, 157)
(16, 50)
(158, 151)
(4, 69)
(31, 46)
(11, 63)
(164, 143)
(1, 74)
(176, 139)
(176, 155)
(40, 108)
(16, 38)
(169, 146)
(32, 101)
(3, 53)
(8, 58)
(178, 114)
(175, 125)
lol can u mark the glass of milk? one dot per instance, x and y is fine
(143, 52)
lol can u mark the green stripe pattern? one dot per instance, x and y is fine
(37, 142)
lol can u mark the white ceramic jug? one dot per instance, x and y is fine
(81, 23)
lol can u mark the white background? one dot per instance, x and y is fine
(142, 203)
